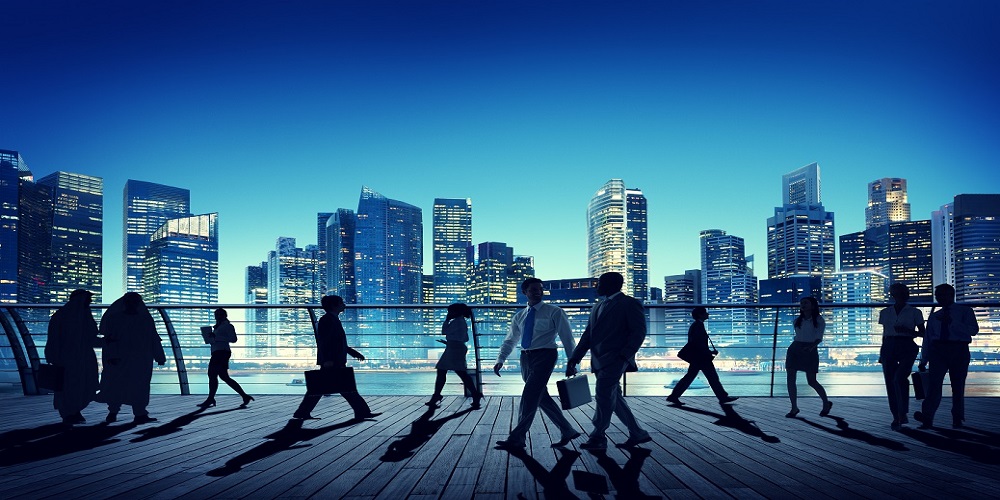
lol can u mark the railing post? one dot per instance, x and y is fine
(175, 346)
(476, 354)
(34, 359)
(774, 347)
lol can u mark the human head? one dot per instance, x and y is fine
(332, 303)
(459, 310)
(699, 313)
(899, 292)
(944, 294)
(132, 302)
(221, 315)
(81, 295)
(809, 304)
(609, 284)
(533, 289)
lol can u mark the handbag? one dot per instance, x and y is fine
(331, 381)
(573, 391)
(51, 377)
(919, 384)
(686, 354)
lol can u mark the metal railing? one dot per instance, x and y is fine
(399, 341)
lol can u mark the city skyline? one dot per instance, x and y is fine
(700, 108)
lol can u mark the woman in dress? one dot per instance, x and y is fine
(802, 354)
(456, 333)
(223, 334)
(901, 323)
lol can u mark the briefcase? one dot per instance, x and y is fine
(51, 377)
(919, 384)
(574, 391)
(331, 381)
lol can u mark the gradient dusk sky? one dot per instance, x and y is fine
(270, 112)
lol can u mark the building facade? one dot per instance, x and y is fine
(887, 202)
(800, 235)
(77, 246)
(727, 279)
(452, 237)
(617, 236)
(147, 206)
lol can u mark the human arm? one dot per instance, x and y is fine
(636, 322)
(579, 352)
(507, 346)
(964, 323)
(565, 332)
(355, 354)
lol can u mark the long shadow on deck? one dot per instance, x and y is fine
(421, 431)
(40, 443)
(283, 440)
(553, 481)
(730, 418)
(953, 441)
(175, 425)
(844, 430)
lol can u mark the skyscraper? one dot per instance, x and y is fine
(12, 169)
(977, 252)
(679, 289)
(77, 245)
(800, 235)
(886, 202)
(901, 251)
(340, 232)
(147, 207)
(727, 279)
(258, 343)
(292, 278)
(34, 242)
(322, 240)
(943, 244)
(495, 277)
(617, 236)
(181, 266)
(853, 325)
(452, 233)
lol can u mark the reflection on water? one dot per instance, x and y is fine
(637, 384)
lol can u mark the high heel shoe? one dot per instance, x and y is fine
(435, 400)
(246, 400)
(791, 414)
(208, 402)
(477, 401)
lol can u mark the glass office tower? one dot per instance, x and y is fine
(341, 228)
(800, 235)
(887, 202)
(727, 279)
(617, 236)
(147, 206)
(77, 244)
(292, 278)
(452, 233)
(977, 257)
(12, 169)
(258, 343)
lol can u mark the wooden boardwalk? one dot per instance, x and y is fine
(699, 451)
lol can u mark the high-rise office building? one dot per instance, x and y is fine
(34, 242)
(181, 266)
(77, 246)
(678, 289)
(853, 325)
(575, 296)
(147, 207)
(452, 233)
(617, 236)
(727, 279)
(341, 228)
(322, 240)
(12, 169)
(293, 278)
(493, 280)
(977, 253)
(388, 249)
(886, 202)
(800, 235)
(258, 344)
(901, 251)
(943, 244)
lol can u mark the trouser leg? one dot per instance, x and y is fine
(713, 380)
(358, 403)
(307, 405)
(536, 368)
(607, 394)
(937, 369)
(685, 381)
(959, 371)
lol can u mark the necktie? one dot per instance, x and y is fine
(945, 323)
(529, 328)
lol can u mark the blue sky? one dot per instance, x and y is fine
(272, 111)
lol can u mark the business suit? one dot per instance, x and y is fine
(615, 331)
(331, 347)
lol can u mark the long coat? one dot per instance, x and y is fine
(72, 336)
(131, 347)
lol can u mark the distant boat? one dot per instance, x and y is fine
(297, 382)
(697, 383)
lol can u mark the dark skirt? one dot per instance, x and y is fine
(801, 359)
(453, 357)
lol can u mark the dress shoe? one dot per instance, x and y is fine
(895, 426)
(506, 444)
(566, 439)
(304, 416)
(826, 408)
(632, 442)
(674, 400)
(247, 399)
(367, 415)
(792, 413)
(594, 445)
(112, 417)
(143, 419)
(208, 402)
(956, 423)
(477, 401)
(903, 420)
(925, 423)
(435, 401)
(727, 399)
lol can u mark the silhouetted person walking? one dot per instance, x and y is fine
(803, 356)
(223, 334)
(456, 334)
(535, 329)
(614, 333)
(946, 349)
(331, 353)
(901, 323)
(131, 345)
(72, 337)
(700, 359)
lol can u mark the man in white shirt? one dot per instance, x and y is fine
(535, 329)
